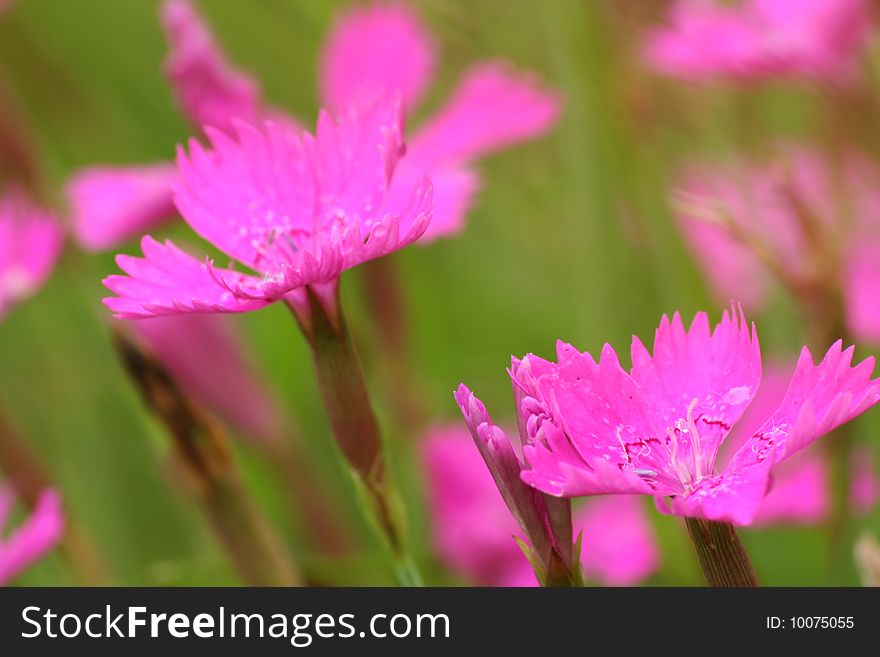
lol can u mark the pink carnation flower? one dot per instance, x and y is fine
(374, 49)
(30, 243)
(772, 205)
(593, 428)
(38, 535)
(761, 39)
(386, 46)
(473, 530)
(205, 356)
(298, 210)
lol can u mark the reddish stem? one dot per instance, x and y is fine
(722, 556)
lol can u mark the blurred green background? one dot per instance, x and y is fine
(571, 238)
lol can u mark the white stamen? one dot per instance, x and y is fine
(695, 441)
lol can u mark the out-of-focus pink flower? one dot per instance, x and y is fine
(473, 530)
(703, 202)
(30, 243)
(378, 46)
(762, 202)
(861, 279)
(619, 544)
(386, 46)
(37, 536)
(111, 204)
(299, 210)
(204, 355)
(761, 39)
(799, 493)
(210, 91)
(4, 5)
(594, 428)
(865, 491)
(776, 207)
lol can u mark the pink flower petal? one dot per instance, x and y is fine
(701, 40)
(819, 399)
(775, 379)
(820, 38)
(385, 47)
(799, 488)
(228, 197)
(708, 376)
(30, 243)
(454, 188)
(493, 107)
(799, 492)
(37, 536)
(585, 426)
(208, 89)
(376, 47)
(168, 281)
(355, 157)
(111, 205)
(736, 495)
(206, 356)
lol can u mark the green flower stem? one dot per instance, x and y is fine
(344, 391)
(406, 571)
(722, 556)
(203, 454)
(246, 534)
(309, 498)
(562, 574)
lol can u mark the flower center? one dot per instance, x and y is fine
(277, 248)
(685, 450)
